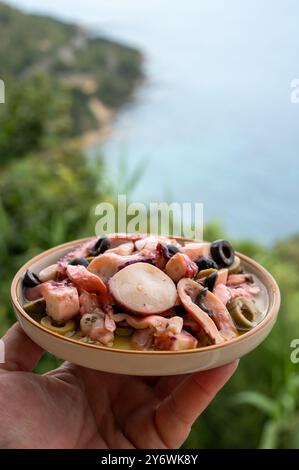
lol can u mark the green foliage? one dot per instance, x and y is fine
(48, 189)
(33, 45)
(259, 407)
(36, 116)
(282, 424)
(80, 114)
(213, 231)
(45, 201)
(125, 179)
(25, 39)
(117, 69)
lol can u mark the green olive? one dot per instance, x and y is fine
(235, 268)
(244, 313)
(205, 273)
(36, 309)
(124, 331)
(62, 329)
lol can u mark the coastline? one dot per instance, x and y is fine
(104, 117)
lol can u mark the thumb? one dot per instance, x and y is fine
(20, 353)
(183, 405)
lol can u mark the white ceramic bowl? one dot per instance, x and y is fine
(148, 363)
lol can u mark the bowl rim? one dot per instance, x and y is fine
(272, 313)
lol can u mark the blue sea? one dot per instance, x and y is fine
(214, 122)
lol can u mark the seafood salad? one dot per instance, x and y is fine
(145, 293)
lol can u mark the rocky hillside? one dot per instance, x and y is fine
(89, 67)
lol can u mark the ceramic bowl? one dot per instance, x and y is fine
(147, 363)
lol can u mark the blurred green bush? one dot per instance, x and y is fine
(36, 117)
(259, 407)
(68, 55)
(48, 187)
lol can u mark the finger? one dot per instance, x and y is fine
(187, 401)
(167, 384)
(21, 354)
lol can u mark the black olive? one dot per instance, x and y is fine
(205, 263)
(223, 253)
(210, 281)
(199, 301)
(162, 250)
(103, 244)
(57, 324)
(173, 250)
(79, 261)
(36, 309)
(30, 279)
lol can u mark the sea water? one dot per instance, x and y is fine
(214, 122)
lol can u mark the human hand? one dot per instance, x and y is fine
(73, 407)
